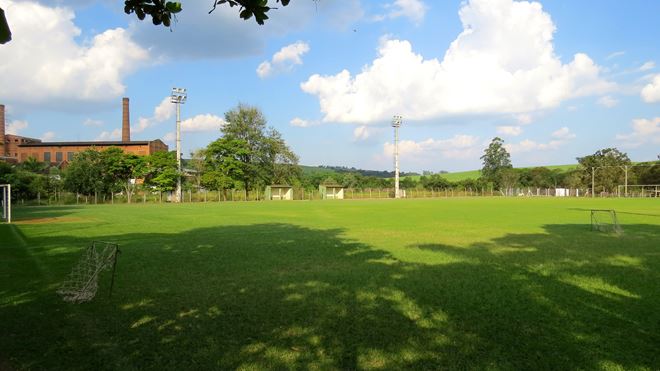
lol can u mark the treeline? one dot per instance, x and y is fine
(367, 173)
(249, 155)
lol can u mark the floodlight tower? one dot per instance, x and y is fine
(396, 124)
(178, 97)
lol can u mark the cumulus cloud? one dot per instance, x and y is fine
(513, 131)
(361, 133)
(559, 138)
(48, 136)
(302, 123)
(92, 122)
(169, 137)
(651, 92)
(415, 10)
(204, 122)
(502, 62)
(163, 111)
(109, 135)
(284, 60)
(459, 146)
(48, 65)
(607, 101)
(16, 127)
(645, 131)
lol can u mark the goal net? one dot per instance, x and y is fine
(5, 200)
(605, 221)
(83, 281)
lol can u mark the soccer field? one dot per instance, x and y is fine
(464, 283)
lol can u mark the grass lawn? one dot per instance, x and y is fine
(465, 283)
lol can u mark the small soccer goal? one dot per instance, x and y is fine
(605, 221)
(83, 281)
(5, 199)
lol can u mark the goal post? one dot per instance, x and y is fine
(638, 190)
(5, 200)
(605, 221)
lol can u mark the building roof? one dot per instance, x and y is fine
(90, 144)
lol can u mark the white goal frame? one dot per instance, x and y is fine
(5, 202)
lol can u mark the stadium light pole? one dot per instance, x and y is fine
(396, 124)
(178, 97)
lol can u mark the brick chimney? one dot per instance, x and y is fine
(125, 122)
(3, 150)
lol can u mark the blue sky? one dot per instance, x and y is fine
(555, 79)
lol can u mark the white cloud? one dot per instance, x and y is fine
(48, 136)
(509, 130)
(651, 92)
(302, 123)
(45, 64)
(284, 60)
(415, 10)
(647, 66)
(205, 122)
(524, 118)
(162, 112)
(361, 133)
(560, 137)
(608, 101)
(502, 62)
(109, 135)
(564, 134)
(92, 122)
(15, 127)
(459, 146)
(645, 131)
(169, 137)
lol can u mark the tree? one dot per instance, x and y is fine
(84, 174)
(119, 169)
(5, 32)
(265, 156)
(495, 159)
(607, 166)
(160, 171)
(162, 12)
(224, 163)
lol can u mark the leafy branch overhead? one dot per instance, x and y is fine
(162, 12)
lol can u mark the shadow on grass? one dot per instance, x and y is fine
(280, 296)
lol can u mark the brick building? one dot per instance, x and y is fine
(16, 148)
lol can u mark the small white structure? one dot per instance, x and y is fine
(331, 191)
(279, 192)
(562, 192)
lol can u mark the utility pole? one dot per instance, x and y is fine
(593, 170)
(625, 168)
(178, 97)
(396, 124)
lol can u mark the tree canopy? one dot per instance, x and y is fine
(495, 159)
(249, 152)
(162, 12)
(608, 167)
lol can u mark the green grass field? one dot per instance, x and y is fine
(463, 283)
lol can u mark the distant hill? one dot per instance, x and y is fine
(323, 169)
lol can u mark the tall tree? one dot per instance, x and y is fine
(495, 159)
(224, 164)
(119, 169)
(84, 174)
(266, 156)
(607, 166)
(160, 171)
